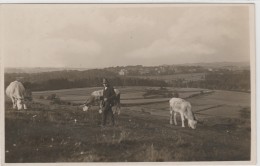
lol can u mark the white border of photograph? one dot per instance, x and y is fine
(254, 79)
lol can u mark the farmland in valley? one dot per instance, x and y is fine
(51, 132)
(174, 77)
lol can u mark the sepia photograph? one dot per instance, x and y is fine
(128, 83)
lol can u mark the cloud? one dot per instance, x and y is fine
(53, 52)
(93, 35)
(70, 52)
(165, 48)
(72, 46)
(198, 35)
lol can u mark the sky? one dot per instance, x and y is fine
(97, 36)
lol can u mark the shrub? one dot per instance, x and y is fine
(56, 101)
(52, 96)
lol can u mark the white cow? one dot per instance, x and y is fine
(184, 108)
(96, 97)
(16, 92)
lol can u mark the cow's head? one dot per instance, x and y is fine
(89, 102)
(20, 104)
(86, 107)
(192, 123)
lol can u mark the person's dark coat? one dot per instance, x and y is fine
(108, 101)
(109, 95)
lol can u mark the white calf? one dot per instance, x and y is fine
(184, 108)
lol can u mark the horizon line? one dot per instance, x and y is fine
(125, 65)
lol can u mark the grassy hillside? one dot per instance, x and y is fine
(64, 133)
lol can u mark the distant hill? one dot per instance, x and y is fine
(38, 69)
(214, 65)
(61, 74)
(67, 79)
(241, 65)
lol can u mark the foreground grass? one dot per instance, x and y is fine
(58, 133)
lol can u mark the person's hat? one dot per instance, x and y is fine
(105, 81)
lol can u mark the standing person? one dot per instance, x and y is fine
(108, 101)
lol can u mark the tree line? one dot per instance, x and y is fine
(76, 79)
(228, 80)
(222, 80)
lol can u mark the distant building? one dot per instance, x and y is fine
(144, 71)
(192, 70)
(176, 70)
(123, 72)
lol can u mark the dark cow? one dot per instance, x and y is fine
(96, 97)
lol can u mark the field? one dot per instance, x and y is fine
(174, 77)
(49, 132)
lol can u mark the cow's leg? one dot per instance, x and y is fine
(101, 105)
(24, 106)
(24, 103)
(113, 110)
(119, 110)
(182, 120)
(171, 117)
(14, 102)
(189, 124)
(118, 104)
(175, 121)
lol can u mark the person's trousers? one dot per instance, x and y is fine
(107, 111)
